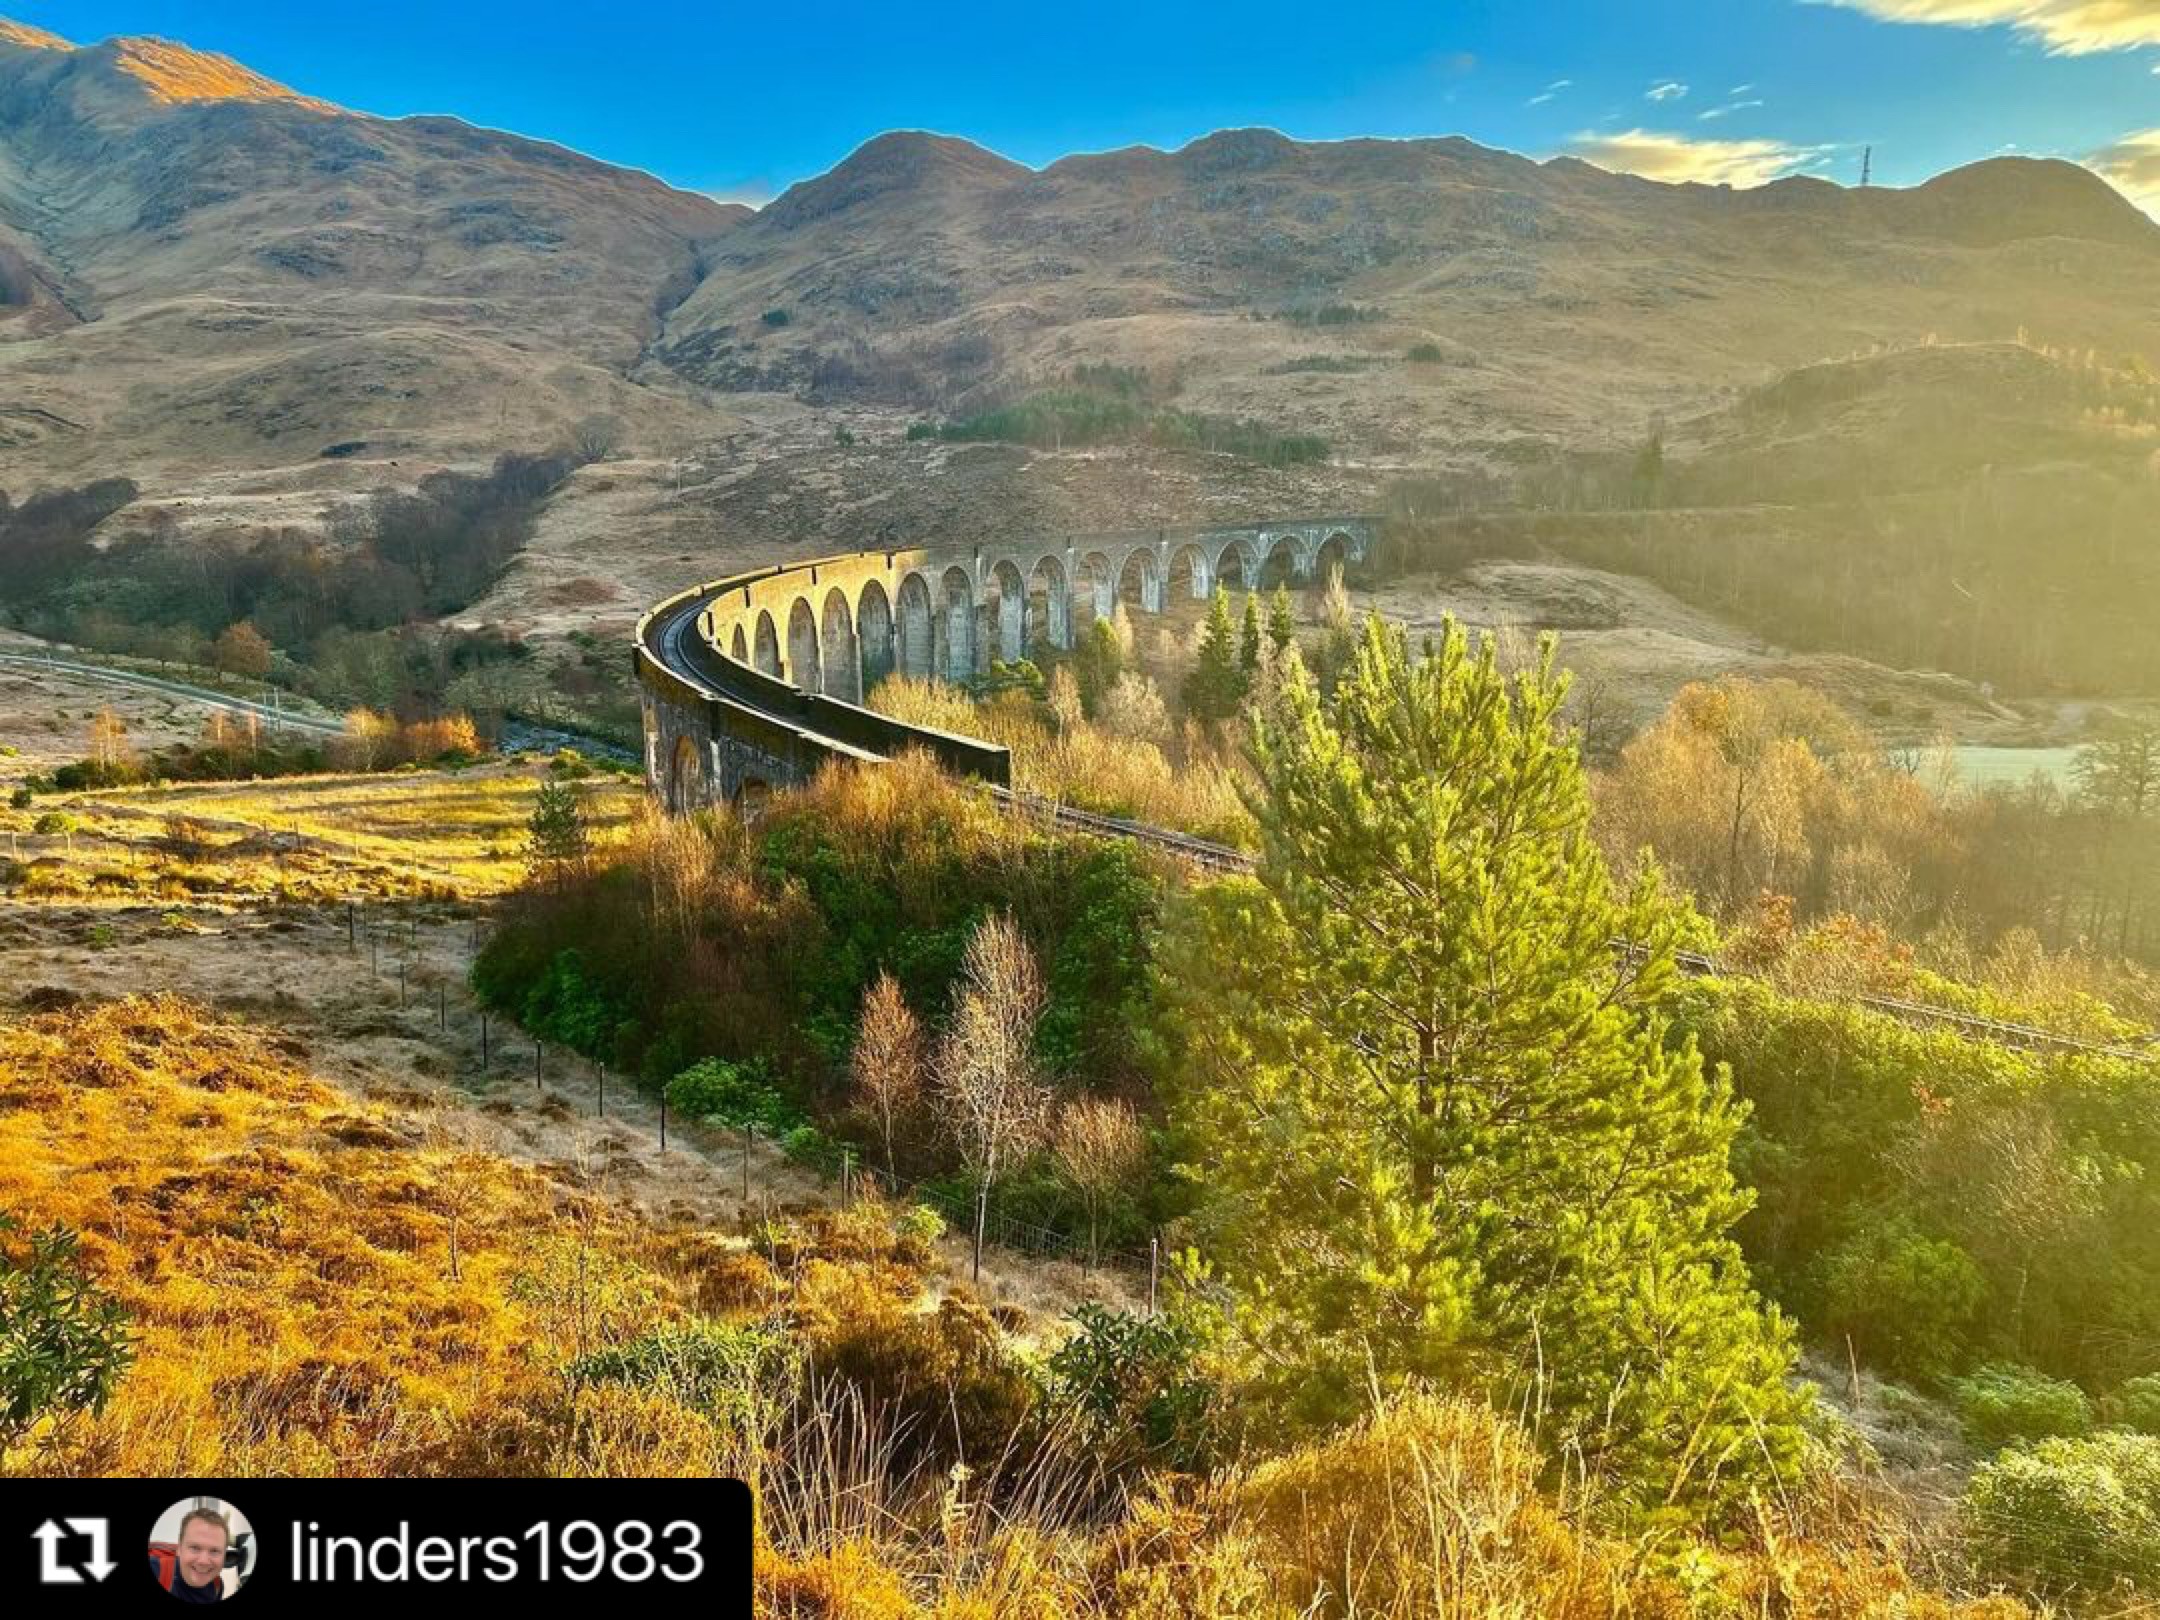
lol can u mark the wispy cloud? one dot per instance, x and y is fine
(1728, 109)
(2067, 27)
(1550, 91)
(1679, 159)
(1667, 90)
(2132, 167)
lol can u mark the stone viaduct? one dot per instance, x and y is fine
(751, 682)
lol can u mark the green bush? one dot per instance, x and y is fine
(2003, 1406)
(776, 317)
(1426, 354)
(736, 1094)
(1905, 1301)
(2069, 1516)
(742, 1376)
(64, 1343)
(1130, 1384)
(2136, 1405)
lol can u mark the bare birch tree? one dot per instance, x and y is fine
(888, 1064)
(995, 1104)
(1099, 1145)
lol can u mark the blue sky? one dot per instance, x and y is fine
(741, 101)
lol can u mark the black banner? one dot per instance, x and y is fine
(420, 1547)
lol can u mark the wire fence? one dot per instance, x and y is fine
(388, 939)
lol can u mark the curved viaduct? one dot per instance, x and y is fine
(751, 682)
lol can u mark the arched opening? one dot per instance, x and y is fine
(685, 787)
(915, 637)
(1280, 562)
(1049, 605)
(1138, 586)
(1332, 558)
(956, 625)
(1094, 589)
(739, 648)
(874, 632)
(804, 667)
(838, 655)
(1233, 567)
(752, 794)
(768, 645)
(1007, 614)
(1189, 575)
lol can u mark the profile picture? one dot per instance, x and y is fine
(202, 1550)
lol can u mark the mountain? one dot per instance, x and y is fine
(250, 300)
(201, 270)
(1262, 276)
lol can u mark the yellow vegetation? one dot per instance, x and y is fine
(439, 834)
(324, 1286)
(1086, 763)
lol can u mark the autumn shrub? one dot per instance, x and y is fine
(1133, 1390)
(941, 1383)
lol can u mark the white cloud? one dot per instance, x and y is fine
(2067, 27)
(2132, 167)
(1678, 159)
(1727, 110)
(1669, 90)
(1739, 89)
(1549, 92)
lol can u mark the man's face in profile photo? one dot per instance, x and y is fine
(202, 1552)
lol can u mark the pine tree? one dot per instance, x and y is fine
(1441, 1128)
(1249, 638)
(1281, 622)
(1216, 685)
(555, 836)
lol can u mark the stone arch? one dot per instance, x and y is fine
(1049, 603)
(1281, 561)
(738, 648)
(751, 795)
(1233, 567)
(956, 624)
(874, 634)
(1190, 574)
(838, 655)
(767, 644)
(1007, 602)
(917, 643)
(1331, 554)
(1138, 584)
(1095, 589)
(686, 777)
(804, 667)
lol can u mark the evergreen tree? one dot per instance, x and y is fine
(1216, 685)
(1281, 623)
(1441, 1128)
(1249, 638)
(555, 835)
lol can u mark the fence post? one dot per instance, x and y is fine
(483, 1041)
(746, 1164)
(539, 1051)
(1154, 1265)
(352, 938)
(663, 1119)
(442, 1005)
(401, 984)
(603, 1091)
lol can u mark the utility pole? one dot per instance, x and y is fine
(1867, 167)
